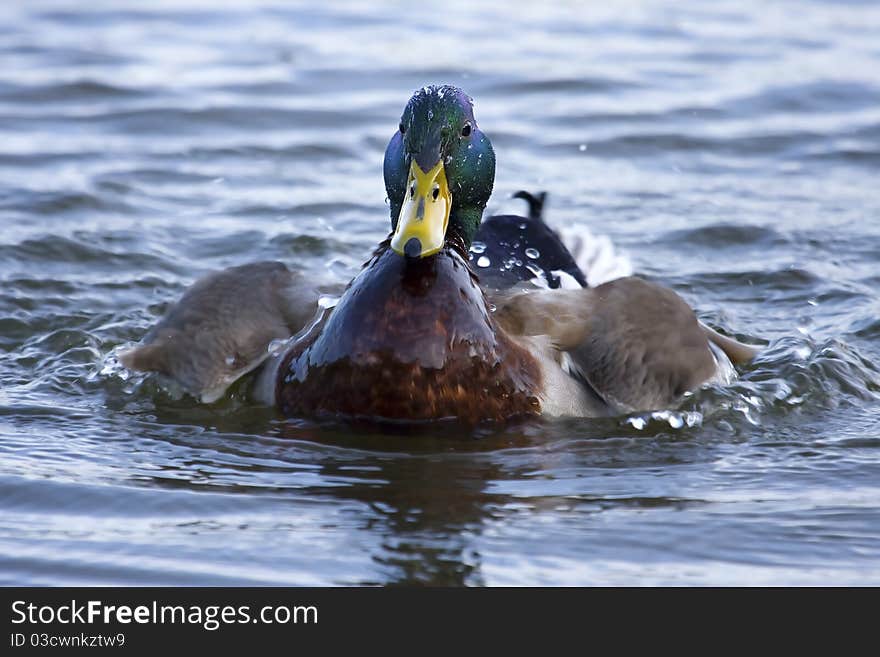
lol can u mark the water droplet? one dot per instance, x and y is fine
(430, 114)
(492, 307)
(638, 423)
(522, 226)
(783, 391)
(693, 418)
(230, 360)
(478, 247)
(483, 261)
(534, 254)
(582, 148)
(535, 269)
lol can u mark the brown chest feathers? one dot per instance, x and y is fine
(410, 341)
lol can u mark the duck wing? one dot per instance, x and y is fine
(223, 325)
(637, 344)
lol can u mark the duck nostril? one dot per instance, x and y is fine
(412, 189)
(436, 191)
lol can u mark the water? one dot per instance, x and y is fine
(732, 150)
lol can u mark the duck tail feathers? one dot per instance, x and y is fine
(144, 358)
(738, 352)
(536, 203)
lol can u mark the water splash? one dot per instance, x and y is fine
(675, 419)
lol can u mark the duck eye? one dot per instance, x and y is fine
(466, 130)
(402, 128)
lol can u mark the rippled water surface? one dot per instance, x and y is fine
(731, 149)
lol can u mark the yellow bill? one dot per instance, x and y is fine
(421, 225)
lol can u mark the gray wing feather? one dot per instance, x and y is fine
(222, 326)
(636, 343)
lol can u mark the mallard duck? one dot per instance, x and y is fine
(414, 336)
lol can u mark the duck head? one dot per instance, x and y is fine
(439, 172)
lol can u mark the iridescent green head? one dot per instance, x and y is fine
(439, 172)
